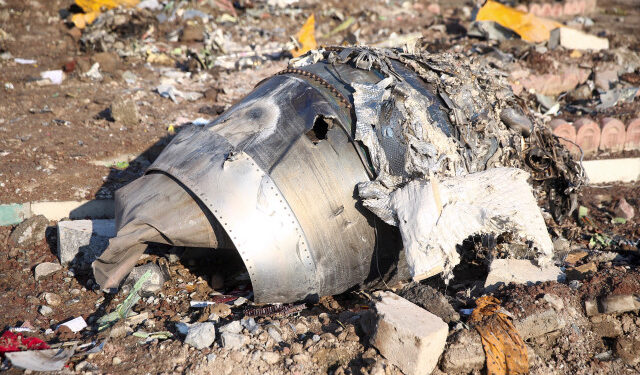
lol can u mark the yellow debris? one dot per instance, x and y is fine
(528, 26)
(306, 37)
(575, 54)
(506, 352)
(93, 8)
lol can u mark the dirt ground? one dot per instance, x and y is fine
(63, 142)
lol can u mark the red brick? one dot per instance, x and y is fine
(588, 135)
(563, 129)
(546, 10)
(632, 139)
(523, 8)
(613, 135)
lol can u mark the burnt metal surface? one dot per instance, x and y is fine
(284, 175)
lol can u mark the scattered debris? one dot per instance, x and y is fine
(75, 325)
(41, 360)
(529, 27)
(122, 310)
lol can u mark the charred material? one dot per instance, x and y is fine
(291, 175)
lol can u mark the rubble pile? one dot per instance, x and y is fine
(459, 183)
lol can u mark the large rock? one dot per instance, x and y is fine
(232, 340)
(624, 210)
(82, 241)
(539, 323)
(628, 348)
(201, 335)
(464, 353)
(410, 337)
(29, 232)
(614, 304)
(519, 271)
(45, 269)
(125, 111)
(154, 283)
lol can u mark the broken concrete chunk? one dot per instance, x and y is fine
(575, 39)
(464, 353)
(519, 271)
(537, 324)
(29, 232)
(125, 111)
(628, 348)
(606, 326)
(45, 269)
(612, 305)
(410, 337)
(82, 241)
(201, 335)
(582, 272)
(232, 340)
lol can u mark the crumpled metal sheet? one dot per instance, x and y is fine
(291, 204)
(485, 129)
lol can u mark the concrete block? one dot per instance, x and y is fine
(612, 170)
(82, 241)
(576, 39)
(519, 271)
(410, 337)
(94, 209)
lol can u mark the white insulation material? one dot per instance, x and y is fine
(434, 217)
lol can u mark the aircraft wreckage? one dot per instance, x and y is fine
(305, 175)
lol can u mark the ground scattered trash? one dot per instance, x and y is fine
(54, 76)
(528, 26)
(76, 324)
(41, 360)
(13, 342)
(122, 310)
